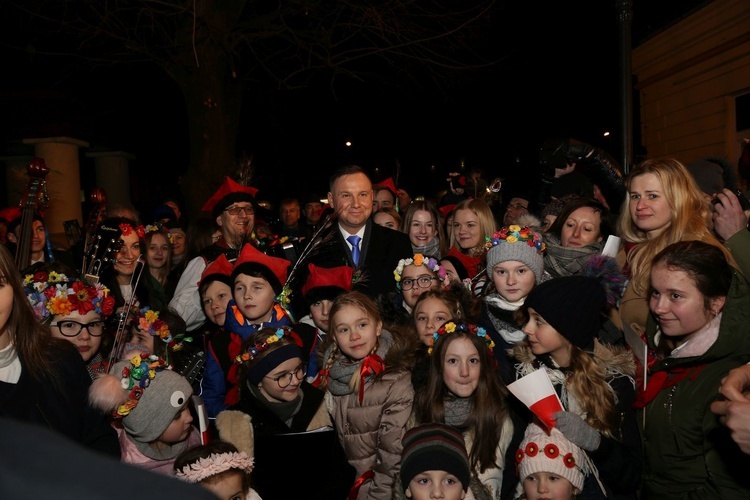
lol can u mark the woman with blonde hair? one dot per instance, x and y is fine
(664, 206)
(473, 225)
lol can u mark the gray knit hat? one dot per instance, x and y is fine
(517, 243)
(162, 397)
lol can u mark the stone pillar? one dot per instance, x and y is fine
(63, 182)
(113, 175)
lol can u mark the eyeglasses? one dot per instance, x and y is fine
(517, 206)
(69, 328)
(286, 379)
(236, 210)
(422, 282)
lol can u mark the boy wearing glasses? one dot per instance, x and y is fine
(288, 418)
(74, 311)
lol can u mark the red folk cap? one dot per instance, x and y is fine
(220, 266)
(276, 265)
(229, 192)
(388, 184)
(340, 277)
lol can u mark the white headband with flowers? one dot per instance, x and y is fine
(420, 260)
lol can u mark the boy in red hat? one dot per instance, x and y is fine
(257, 281)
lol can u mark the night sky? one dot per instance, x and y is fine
(557, 77)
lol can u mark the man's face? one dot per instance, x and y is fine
(289, 214)
(313, 211)
(351, 199)
(516, 208)
(235, 227)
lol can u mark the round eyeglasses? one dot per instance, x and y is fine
(285, 379)
(236, 210)
(70, 328)
(421, 282)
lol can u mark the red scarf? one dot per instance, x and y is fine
(663, 380)
(371, 365)
(354, 492)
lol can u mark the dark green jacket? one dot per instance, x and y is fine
(688, 453)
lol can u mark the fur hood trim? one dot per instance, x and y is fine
(614, 359)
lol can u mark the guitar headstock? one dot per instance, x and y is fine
(102, 251)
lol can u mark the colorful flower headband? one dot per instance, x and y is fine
(147, 320)
(54, 293)
(451, 327)
(514, 233)
(256, 349)
(127, 229)
(151, 228)
(420, 260)
(136, 377)
(215, 464)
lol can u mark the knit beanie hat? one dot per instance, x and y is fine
(551, 453)
(463, 274)
(572, 305)
(434, 446)
(150, 395)
(517, 243)
(708, 174)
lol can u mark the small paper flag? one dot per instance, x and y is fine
(535, 390)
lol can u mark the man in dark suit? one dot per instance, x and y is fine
(354, 240)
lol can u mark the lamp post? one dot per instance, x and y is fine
(624, 23)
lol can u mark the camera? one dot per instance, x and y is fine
(744, 202)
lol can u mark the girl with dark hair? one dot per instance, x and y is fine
(701, 308)
(463, 391)
(73, 310)
(43, 380)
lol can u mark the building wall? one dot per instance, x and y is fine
(688, 77)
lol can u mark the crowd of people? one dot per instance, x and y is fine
(364, 344)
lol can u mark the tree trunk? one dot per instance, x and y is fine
(213, 99)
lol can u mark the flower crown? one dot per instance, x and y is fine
(147, 320)
(135, 378)
(420, 260)
(451, 327)
(514, 233)
(215, 464)
(152, 228)
(127, 229)
(55, 293)
(256, 349)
